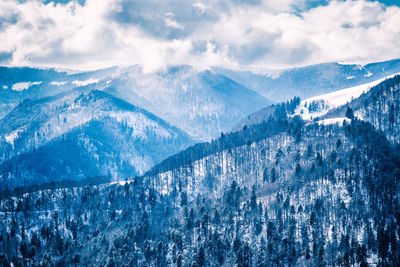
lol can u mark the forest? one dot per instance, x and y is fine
(283, 192)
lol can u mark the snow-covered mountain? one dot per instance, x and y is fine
(203, 104)
(20, 83)
(44, 109)
(314, 80)
(258, 139)
(48, 117)
(318, 106)
(281, 191)
(77, 135)
(379, 106)
(331, 107)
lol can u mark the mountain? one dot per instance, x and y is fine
(267, 202)
(332, 107)
(77, 135)
(281, 192)
(201, 103)
(375, 102)
(283, 189)
(318, 106)
(378, 106)
(314, 80)
(48, 117)
(281, 111)
(21, 83)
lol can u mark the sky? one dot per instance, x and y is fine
(253, 35)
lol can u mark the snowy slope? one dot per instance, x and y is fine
(78, 135)
(379, 106)
(320, 105)
(203, 104)
(314, 80)
(21, 83)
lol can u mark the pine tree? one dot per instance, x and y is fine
(349, 113)
(265, 175)
(253, 199)
(201, 257)
(274, 175)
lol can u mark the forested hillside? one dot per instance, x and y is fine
(284, 192)
(286, 199)
(75, 136)
(380, 106)
(200, 133)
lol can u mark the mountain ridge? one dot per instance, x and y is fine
(74, 123)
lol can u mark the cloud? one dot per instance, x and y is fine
(252, 34)
(5, 57)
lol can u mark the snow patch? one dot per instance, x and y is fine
(86, 82)
(360, 67)
(58, 83)
(334, 121)
(369, 74)
(68, 71)
(122, 183)
(10, 138)
(23, 86)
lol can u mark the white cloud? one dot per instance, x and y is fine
(229, 33)
(201, 8)
(172, 23)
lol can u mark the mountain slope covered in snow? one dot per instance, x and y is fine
(314, 80)
(368, 102)
(203, 104)
(378, 106)
(79, 135)
(318, 106)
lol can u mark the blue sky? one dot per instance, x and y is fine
(241, 34)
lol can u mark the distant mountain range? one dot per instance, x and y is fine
(119, 122)
(314, 80)
(203, 104)
(191, 99)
